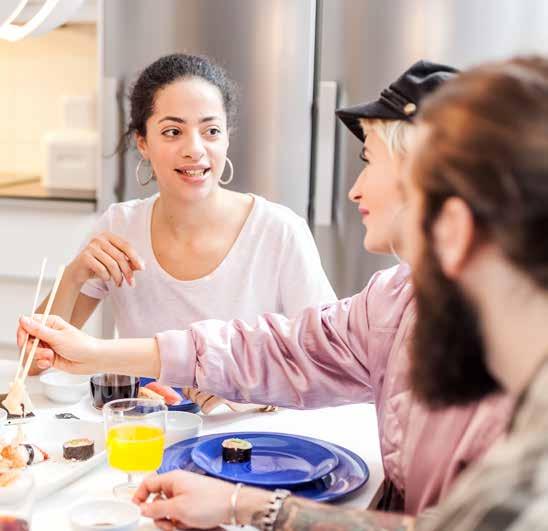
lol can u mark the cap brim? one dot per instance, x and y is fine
(351, 116)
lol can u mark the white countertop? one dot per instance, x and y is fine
(353, 426)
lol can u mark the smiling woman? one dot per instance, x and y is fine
(209, 252)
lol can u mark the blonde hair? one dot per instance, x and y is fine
(396, 134)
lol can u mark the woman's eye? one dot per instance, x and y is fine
(171, 132)
(214, 131)
(363, 157)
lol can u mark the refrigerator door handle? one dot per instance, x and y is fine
(325, 153)
(111, 182)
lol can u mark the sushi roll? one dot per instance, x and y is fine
(236, 450)
(30, 454)
(78, 449)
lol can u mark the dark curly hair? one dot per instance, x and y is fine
(167, 70)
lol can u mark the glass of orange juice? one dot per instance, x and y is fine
(135, 432)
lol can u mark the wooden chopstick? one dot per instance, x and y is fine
(43, 321)
(34, 306)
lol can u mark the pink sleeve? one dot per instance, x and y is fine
(318, 358)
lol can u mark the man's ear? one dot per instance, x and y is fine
(454, 233)
(142, 146)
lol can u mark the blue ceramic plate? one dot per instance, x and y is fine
(276, 459)
(351, 473)
(185, 405)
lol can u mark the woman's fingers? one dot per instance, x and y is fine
(152, 484)
(108, 257)
(44, 358)
(36, 330)
(160, 508)
(110, 264)
(43, 355)
(122, 261)
(94, 266)
(21, 337)
(53, 322)
(135, 261)
(206, 401)
(166, 525)
(209, 402)
(111, 257)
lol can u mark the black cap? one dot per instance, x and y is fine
(400, 101)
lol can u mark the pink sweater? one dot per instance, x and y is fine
(354, 350)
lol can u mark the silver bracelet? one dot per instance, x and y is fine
(233, 502)
(273, 509)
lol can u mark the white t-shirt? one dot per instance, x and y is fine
(273, 266)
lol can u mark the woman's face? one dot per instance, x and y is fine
(186, 139)
(377, 194)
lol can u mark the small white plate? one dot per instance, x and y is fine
(49, 435)
(86, 410)
(114, 515)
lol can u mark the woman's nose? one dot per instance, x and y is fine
(193, 148)
(354, 194)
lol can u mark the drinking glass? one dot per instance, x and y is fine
(135, 437)
(108, 387)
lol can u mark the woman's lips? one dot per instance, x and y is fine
(193, 176)
(363, 212)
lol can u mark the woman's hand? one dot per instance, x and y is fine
(184, 499)
(209, 402)
(108, 257)
(62, 345)
(206, 401)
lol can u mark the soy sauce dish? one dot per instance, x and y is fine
(105, 514)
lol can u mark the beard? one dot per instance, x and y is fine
(448, 358)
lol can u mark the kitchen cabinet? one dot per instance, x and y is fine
(36, 222)
(29, 231)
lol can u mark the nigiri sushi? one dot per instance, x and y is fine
(17, 402)
(170, 396)
(24, 455)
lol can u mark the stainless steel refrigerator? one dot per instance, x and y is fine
(295, 62)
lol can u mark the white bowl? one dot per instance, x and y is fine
(63, 387)
(110, 514)
(181, 425)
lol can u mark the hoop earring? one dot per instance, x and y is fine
(231, 176)
(150, 177)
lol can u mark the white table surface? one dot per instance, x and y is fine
(352, 426)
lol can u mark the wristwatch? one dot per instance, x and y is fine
(272, 509)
